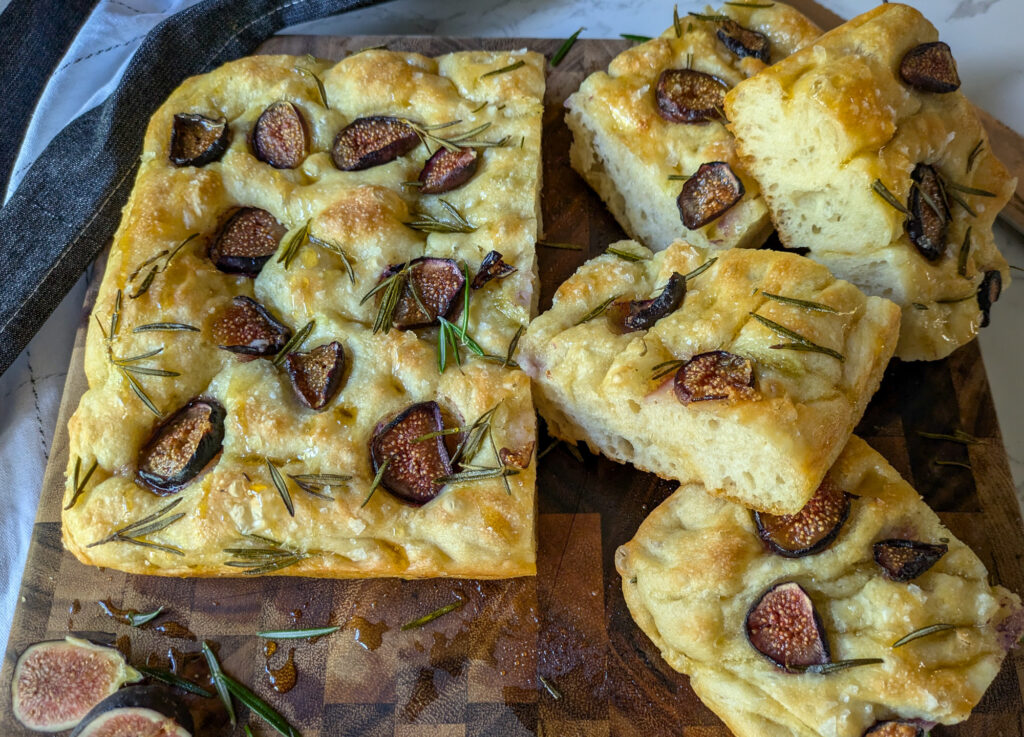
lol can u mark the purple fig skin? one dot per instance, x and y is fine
(926, 228)
(317, 374)
(438, 282)
(988, 294)
(246, 327)
(709, 194)
(372, 141)
(744, 42)
(930, 67)
(689, 96)
(644, 313)
(905, 560)
(447, 170)
(412, 466)
(492, 267)
(197, 140)
(153, 704)
(246, 242)
(279, 137)
(197, 429)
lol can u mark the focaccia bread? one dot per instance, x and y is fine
(692, 386)
(275, 294)
(843, 136)
(696, 570)
(627, 146)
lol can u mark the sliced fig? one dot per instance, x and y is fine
(519, 458)
(437, 282)
(56, 683)
(930, 67)
(894, 729)
(643, 313)
(412, 466)
(372, 141)
(182, 446)
(279, 137)
(492, 267)
(246, 327)
(197, 140)
(929, 212)
(447, 170)
(810, 530)
(905, 560)
(785, 628)
(316, 375)
(712, 190)
(743, 41)
(137, 710)
(689, 96)
(988, 294)
(715, 375)
(246, 241)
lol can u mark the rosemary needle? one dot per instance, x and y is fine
(298, 634)
(502, 70)
(564, 48)
(439, 612)
(923, 632)
(635, 38)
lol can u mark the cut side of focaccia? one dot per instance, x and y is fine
(656, 117)
(869, 155)
(768, 640)
(298, 358)
(747, 371)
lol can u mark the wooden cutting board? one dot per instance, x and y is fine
(477, 671)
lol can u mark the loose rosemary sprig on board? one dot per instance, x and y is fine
(263, 557)
(79, 486)
(561, 246)
(219, 683)
(550, 688)
(564, 48)
(958, 436)
(800, 343)
(134, 532)
(170, 679)
(158, 268)
(439, 612)
(301, 634)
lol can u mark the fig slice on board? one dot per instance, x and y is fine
(279, 137)
(412, 461)
(246, 327)
(182, 446)
(492, 267)
(246, 241)
(905, 560)
(930, 67)
(708, 194)
(197, 140)
(372, 141)
(316, 375)
(151, 711)
(894, 729)
(447, 170)
(437, 283)
(56, 683)
(810, 530)
(926, 225)
(715, 375)
(988, 294)
(643, 313)
(689, 96)
(785, 628)
(743, 41)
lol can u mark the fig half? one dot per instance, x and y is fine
(743, 41)
(137, 710)
(715, 375)
(372, 141)
(197, 140)
(810, 530)
(56, 683)
(447, 170)
(316, 375)
(437, 282)
(279, 137)
(894, 729)
(246, 241)
(412, 463)
(181, 446)
(929, 216)
(492, 267)
(930, 67)
(708, 194)
(643, 313)
(246, 327)
(988, 294)
(785, 628)
(905, 560)
(689, 96)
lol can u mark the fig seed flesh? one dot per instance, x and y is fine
(708, 194)
(715, 375)
(785, 628)
(181, 446)
(279, 137)
(197, 140)
(447, 170)
(810, 530)
(246, 327)
(412, 466)
(905, 560)
(246, 241)
(372, 141)
(317, 374)
(930, 67)
(689, 96)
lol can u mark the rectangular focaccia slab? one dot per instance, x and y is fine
(627, 151)
(338, 233)
(827, 131)
(768, 446)
(697, 566)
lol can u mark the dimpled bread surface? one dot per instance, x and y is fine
(819, 128)
(626, 151)
(596, 384)
(480, 529)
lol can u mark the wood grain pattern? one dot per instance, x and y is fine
(478, 670)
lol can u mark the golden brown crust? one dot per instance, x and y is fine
(473, 529)
(696, 565)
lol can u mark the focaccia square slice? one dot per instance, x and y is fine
(747, 371)
(656, 116)
(870, 156)
(298, 362)
(771, 643)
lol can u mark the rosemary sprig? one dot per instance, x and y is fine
(315, 483)
(219, 681)
(165, 326)
(377, 479)
(974, 155)
(258, 560)
(259, 707)
(550, 688)
(836, 666)
(475, 110)
(293, 245)
(599, 310)
(294, 343)
(962, 202)
(800, 343)
(158, 268)
(923, 632)
(806, 304)
(635, 38)
(439, 612)
(700, 269)
(140, 392)
(512, 345)
(474, 438)
(298, 634)
(336, 249)
(562, 246)
(172, 680)
(626, 255)
(319, 84)
(675, 22)
(510, 68)
(712, 18)
(393, 288)
(564, 48)
(965, 250)
(135, 531)
(247, 730)
(955, 300)
(430, 139)
(882, 191)
(919, 306)
(79, 486)
(678, 177)
(476, 474)
(137, 619)
(281, 486)
(958, 436)
(428, 223)
(665, 368)
(968, 190)
(958, 464)
(451, 336)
